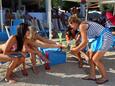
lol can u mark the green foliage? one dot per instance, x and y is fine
(67, 5)
(107, 7)
(56, 3)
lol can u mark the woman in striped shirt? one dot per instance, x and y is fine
(98, 47)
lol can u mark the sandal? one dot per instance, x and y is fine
(89, 78)
(102, 81)
(11, 81)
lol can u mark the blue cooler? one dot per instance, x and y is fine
(49, 49)
(56, 57)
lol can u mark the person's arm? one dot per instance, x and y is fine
(83, 32)
(78, 39)
(4, 58)
(38, 37)
(47, 45)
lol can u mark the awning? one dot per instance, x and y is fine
(108, 2)
(80, 0)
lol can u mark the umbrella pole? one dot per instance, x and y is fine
(86, 10)
(1, 15)
(48, 6)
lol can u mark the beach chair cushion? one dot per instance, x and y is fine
(17, 22)
(13, 30)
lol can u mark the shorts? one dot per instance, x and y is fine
(15, 55)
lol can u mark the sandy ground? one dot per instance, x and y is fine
(67, 74)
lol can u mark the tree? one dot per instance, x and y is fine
(67, 5)
(56, 3)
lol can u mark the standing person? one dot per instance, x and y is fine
(97, 49)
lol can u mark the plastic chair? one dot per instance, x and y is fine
(16, 22)
(13, 30)
(3, 36)
(42, 31)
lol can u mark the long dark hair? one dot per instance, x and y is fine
(21, 31)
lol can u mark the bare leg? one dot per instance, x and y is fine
(92, 65)
(33, 60)
(24, 70)
(97, 60)
(79, 58)
(92, 72)
(10, 69)
(4, 58)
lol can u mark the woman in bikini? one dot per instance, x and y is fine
(12, 51)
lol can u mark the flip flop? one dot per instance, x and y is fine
(88, 78)
(102, 81)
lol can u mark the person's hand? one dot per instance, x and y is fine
(74, 49)
(61, 46)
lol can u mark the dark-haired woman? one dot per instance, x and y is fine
(12, 51)
(74, 34)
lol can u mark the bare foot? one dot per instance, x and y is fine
(89, 78)
(10, 80)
